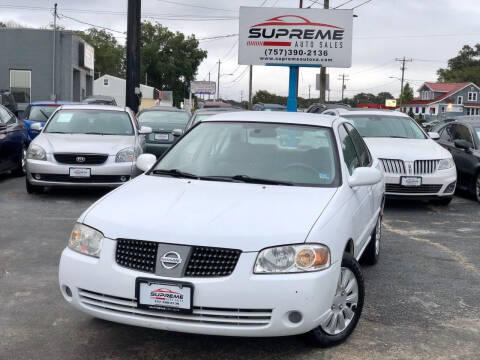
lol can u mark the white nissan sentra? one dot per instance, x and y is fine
(250, 225)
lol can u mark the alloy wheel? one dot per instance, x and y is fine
(343, 309)
(378, 235)
(23, 161)
(477, 188)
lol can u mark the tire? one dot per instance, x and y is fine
(33, 189)
(476, 187)
(331, 332)
(444, 201)
(21, 170)
(372, 252)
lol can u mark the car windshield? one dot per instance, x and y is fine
(201, 117)
(255, 152)
(477, 131)
(98, 122)
(40, 113)
(163, 117)
(386, 126)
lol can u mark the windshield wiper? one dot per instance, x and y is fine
(175, 173)
(398, 137)
(44, 114)
(95, 133)
(56, 132)
(254, 180)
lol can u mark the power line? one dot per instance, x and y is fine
(89, 24)
(197, 6)
(217, 37)
(365, 2)
(345, 3)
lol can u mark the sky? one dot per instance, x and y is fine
(427, 31)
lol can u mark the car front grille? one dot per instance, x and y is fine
(422, 189)
(425, 166)
(393, 166)
(203, 262)
(81, 159)
(420, 167)
(87, 180)
(206, 315)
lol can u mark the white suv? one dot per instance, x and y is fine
(414, 164)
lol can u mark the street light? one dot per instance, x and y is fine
(218, 85)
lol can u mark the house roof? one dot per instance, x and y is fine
(447, 89)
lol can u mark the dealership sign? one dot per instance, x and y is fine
(296, 37)
(203, 87)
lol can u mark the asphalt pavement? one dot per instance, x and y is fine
(422, 298)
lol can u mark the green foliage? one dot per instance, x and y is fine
(170, 59)
(465, 67)
(407, 94)
(109, 54)
(3, 25)
(263, 96)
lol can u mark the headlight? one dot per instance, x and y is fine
(36, 152)
(86, 240)
(445, 164)
(292, 259)
(126, 155)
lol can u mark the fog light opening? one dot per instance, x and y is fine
(450, 188)
(123, 178)
(295, 317)
(37, 176)
(68, 291)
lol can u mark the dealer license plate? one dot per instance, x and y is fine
(164, 296)
(163, 137)
(411, 181)
(79, 172)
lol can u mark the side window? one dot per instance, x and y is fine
(4, 116)
(462, 133)
(445, 134)
(349, 153)
(11, 119)
(360, 146)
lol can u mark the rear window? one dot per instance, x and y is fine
(39, 113)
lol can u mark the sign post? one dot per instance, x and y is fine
(295, 37)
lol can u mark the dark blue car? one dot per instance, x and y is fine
(39, 111)
(13, 143)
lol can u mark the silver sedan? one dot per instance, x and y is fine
(85, 145)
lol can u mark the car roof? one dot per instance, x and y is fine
(275, 117)
(99, 97)
(364, 111)
(163, 108)
(93, 107)
(52, 103)
(216, 110)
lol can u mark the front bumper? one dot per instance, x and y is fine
(53, 173)
(242, 304)
(437, 185)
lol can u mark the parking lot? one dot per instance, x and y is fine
(421, 298)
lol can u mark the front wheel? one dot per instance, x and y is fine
(372, 252)
(477, 187)
(21, 169)
(346, 307)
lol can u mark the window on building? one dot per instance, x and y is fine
(432, 111)
(423, 110)
(105, 82)
(417, 110)
(472, 96)
(443, 109)
(21, 85)
(460, 100)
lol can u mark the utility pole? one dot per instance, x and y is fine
(241, 96)
(132, 95)
(54, 96)
(300, 5)
(403, 61)
(209, 81)
(146, 79)
(250, 105)
(309, 88)
(218, 81)
(323, 70)
(344, 78)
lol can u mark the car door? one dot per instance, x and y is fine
(3, 139)
(361, 197)
(465, 161)
(15, 137)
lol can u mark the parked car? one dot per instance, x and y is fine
(85, 145)
(202, 114)
(268, 107)
(318, 108)
(8, 100)
(214, 104)
(39, 112)
(435, 125)
(250, 225)
(415, 165)
(13, 143)
(168, 124)
(462, 139)
(100, 100)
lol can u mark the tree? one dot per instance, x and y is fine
(407, 94)
(170, 59)
(263, 96)
(3, 25)
(465, 67)
(109, 54)
(382, 97)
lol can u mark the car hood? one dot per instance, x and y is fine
(243, 216)
(164, 127)
(83, 143)
(406, 149)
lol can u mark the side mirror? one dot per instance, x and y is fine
(434, 135)
(463, 144)
(36, 126)
(364, 176)
(145, 162)
(177, 132)
(145, 130)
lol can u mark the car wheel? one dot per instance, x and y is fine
(477, 187)
(372, 252)
(444, 201)
(346, 307)
(33, 189)
(21, 170)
